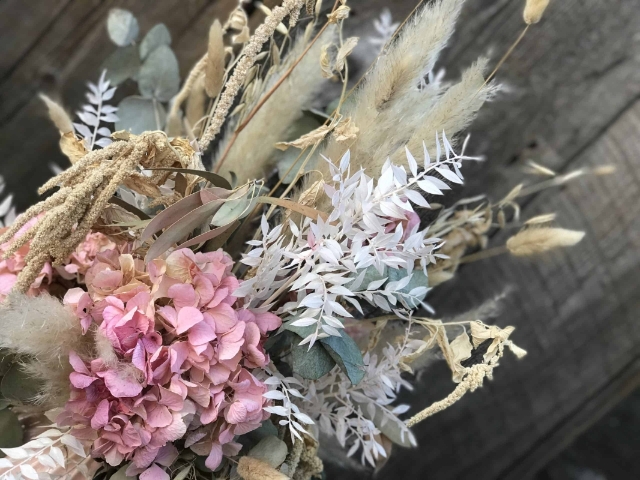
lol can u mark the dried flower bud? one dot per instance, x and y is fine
(533, 10)
(533, 241)
(604, 170)
(341, 13)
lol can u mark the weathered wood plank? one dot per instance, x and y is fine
(64, 58)
(575, 312)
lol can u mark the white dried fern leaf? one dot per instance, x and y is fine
(95, 112)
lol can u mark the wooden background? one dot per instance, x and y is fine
(572, 101)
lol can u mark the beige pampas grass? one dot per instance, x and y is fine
(533, 241)
(251, 154)
(215, 67)
(253, 469)
(58, 116)
(43, 331)
(388, 105)
(533, 11)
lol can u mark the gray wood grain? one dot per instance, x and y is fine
(572, 101)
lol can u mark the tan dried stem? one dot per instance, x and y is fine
(262, 35)
(473, 379)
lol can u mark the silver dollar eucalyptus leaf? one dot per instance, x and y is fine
(122, 26)
(138, 114)
(122, 64)
(156, 37)
(160, 75)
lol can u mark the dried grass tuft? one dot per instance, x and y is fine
(534, 241)
(42, 329)
(253, 469)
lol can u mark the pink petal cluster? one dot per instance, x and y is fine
(75, 267)
(181, 350)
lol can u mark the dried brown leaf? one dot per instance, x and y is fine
(346, 130)
(73, 148)
(307, 140)
(344, 51)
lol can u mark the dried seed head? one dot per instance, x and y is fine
(533, 11)
(540, 219)
(604, 170)
(533, 241)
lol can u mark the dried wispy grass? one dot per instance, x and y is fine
(43, 331)
(388, 100)
(533, 241)
(57, 114)
(253, 469)
(273, 122)
(262, 35)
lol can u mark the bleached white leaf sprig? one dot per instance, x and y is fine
(46, 456)
(285, 391)
(351, 256)
(96, 112)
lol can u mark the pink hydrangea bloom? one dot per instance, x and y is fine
(183, 346)
(84, 255)
(12, 266)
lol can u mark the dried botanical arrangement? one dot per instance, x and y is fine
(228, 279)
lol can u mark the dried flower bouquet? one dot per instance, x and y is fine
(175, 320)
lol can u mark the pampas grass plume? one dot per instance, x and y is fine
(533, 241)
(533, 11)
(58, 116)
(43, 331)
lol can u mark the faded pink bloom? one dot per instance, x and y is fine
(183, 344)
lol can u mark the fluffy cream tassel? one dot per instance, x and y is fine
(253, 469)
(533, 241)
(44, 331)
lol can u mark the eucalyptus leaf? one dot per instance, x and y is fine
(138, 114)
(129, 208)
(344, 351)
(313, 363)
(238, 206)
(270, 450)
(122, 64)
(371, 275)
(120, 474)
(160, 75)
(159, 35)
(212, 178)
(122, 26)
(11, 432)
(418, 279)
(182, 228)
(17, 386)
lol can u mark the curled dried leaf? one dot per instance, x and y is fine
(341, 13)
(72, 147)
(346, 130)
(344, 51)
(311, 138)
